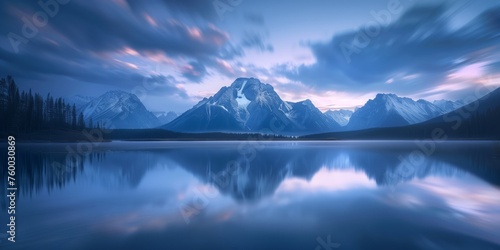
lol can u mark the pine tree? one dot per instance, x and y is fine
(81, 122)
(73, 117)
(30, 112)
(3, 103)
(38, 113)
(13, 103)
(27, 111)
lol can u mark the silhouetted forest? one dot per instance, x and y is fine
(26, 112)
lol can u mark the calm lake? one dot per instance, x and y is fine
(256, 195)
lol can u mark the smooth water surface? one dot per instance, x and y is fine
(257, 195)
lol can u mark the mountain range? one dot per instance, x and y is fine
(389, 110)
(250, 106)
(165, 117)
(478, 119)
(341, 116)
(80, 100)
(118, 109)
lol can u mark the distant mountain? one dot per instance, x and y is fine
(341, 116)
(310, 118)
(390, 110)
(119, 109)
(79, 100)
(251, 106)
(165, 117)
(448, 105)
(475, 120)
(482, 115)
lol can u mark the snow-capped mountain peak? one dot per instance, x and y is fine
(80, 100)
(387, 110)
(448, 105)
(165, 117)
(119, 109)
(341, 116)
(248, 105)
(241, 99)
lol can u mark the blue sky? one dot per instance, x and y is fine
(172, 53)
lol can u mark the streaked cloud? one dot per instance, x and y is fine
(417, 51)
(430, 49)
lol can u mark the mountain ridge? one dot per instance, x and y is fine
(248, 105)
(476, 120)
(390, 110)
(341, 116)
(118, 109)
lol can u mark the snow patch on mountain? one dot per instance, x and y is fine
(341, 116)
(80, 100)
(449, 105)
(118, 109)
(241, 98)
(248, 105)
(165, 117)
(388, 110)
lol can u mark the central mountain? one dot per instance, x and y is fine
(249, 105)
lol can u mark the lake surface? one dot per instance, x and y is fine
(256, 195)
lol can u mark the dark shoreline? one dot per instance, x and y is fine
(95, 135)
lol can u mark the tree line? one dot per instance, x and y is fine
(26, 112)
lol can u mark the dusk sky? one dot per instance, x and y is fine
(173, 53)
